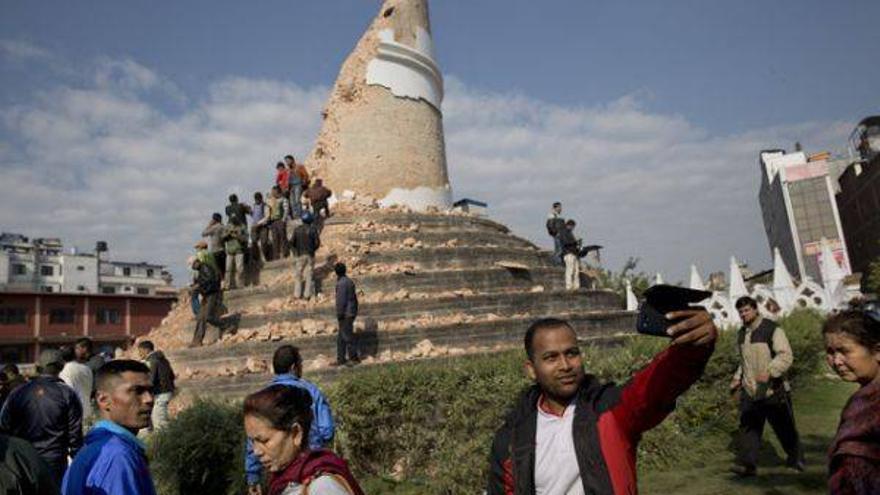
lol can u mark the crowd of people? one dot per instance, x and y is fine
(568, 433)
(286, 224)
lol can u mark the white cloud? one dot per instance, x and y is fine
(22, 50)
(105, 162)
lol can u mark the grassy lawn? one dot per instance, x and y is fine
(817, 410)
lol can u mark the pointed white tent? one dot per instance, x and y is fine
(696, 280)
(832, 275)
(737, 287)
(783, 287)
(632, 303)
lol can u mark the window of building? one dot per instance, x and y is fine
(60, 316)
(80, 268)
(126, 289)
(47, 271)
(150, 272)
(126, 271)
(19, 269)
(108, 290)
(107, 316)
(81, 288)
(48, 288)
(143, 291)
(13, 316)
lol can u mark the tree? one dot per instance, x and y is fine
(872, 278)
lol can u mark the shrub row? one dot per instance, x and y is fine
(431, 422)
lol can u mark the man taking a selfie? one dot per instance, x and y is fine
(569, 433)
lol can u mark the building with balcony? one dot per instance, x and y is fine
(859, 196)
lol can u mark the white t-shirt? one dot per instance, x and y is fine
(556, 467)
(79, 377)
(322, 485)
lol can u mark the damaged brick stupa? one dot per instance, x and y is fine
(432, 281)
(383, 128)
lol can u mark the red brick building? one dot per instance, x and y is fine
(30, 322)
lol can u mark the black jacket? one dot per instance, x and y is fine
(305, 240)
(22, 470)
(346, 298)
(48, 414)
(568, 241)
(555, 225)
(161, 374)
(515, 441)
(207, 280)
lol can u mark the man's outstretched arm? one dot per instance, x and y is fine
(651, 393)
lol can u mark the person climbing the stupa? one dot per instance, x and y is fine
(303, 244)
(571, 247)
(279, 211)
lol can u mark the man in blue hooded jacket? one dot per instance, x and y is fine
(113, 459)
(287, 365)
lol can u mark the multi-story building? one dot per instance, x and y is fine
(50, 296)
(799, 210)
(859, 196)
(43, 265)
(31, 321)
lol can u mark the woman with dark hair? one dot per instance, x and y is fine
(852, 344)
(277, 420)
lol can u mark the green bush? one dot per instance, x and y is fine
(200, 451)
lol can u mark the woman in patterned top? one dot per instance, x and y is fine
(277, 419)
(852, 344)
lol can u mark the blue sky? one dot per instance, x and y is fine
(644, 118)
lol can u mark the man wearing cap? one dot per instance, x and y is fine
(303, 244)
(47, 413)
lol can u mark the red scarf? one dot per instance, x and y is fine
(309, 465)
(859, 430)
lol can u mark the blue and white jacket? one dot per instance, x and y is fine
(320, 434)
(112, 461)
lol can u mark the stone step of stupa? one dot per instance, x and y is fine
(435, 258)
(203, 365)
(480, 280)
(537, 303)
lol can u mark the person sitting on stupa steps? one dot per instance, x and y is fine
(570, 250)
(259, 227)
(318, 194)
(279, 211)
(765, 357)
(214, 232)
(555, 225)
(346, 312)
(235, 241)
(208, 288)
(287, 366)
(569, 433)
(303, 244)
(298, 181)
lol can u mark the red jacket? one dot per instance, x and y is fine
(281, 177)
(608, 424)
